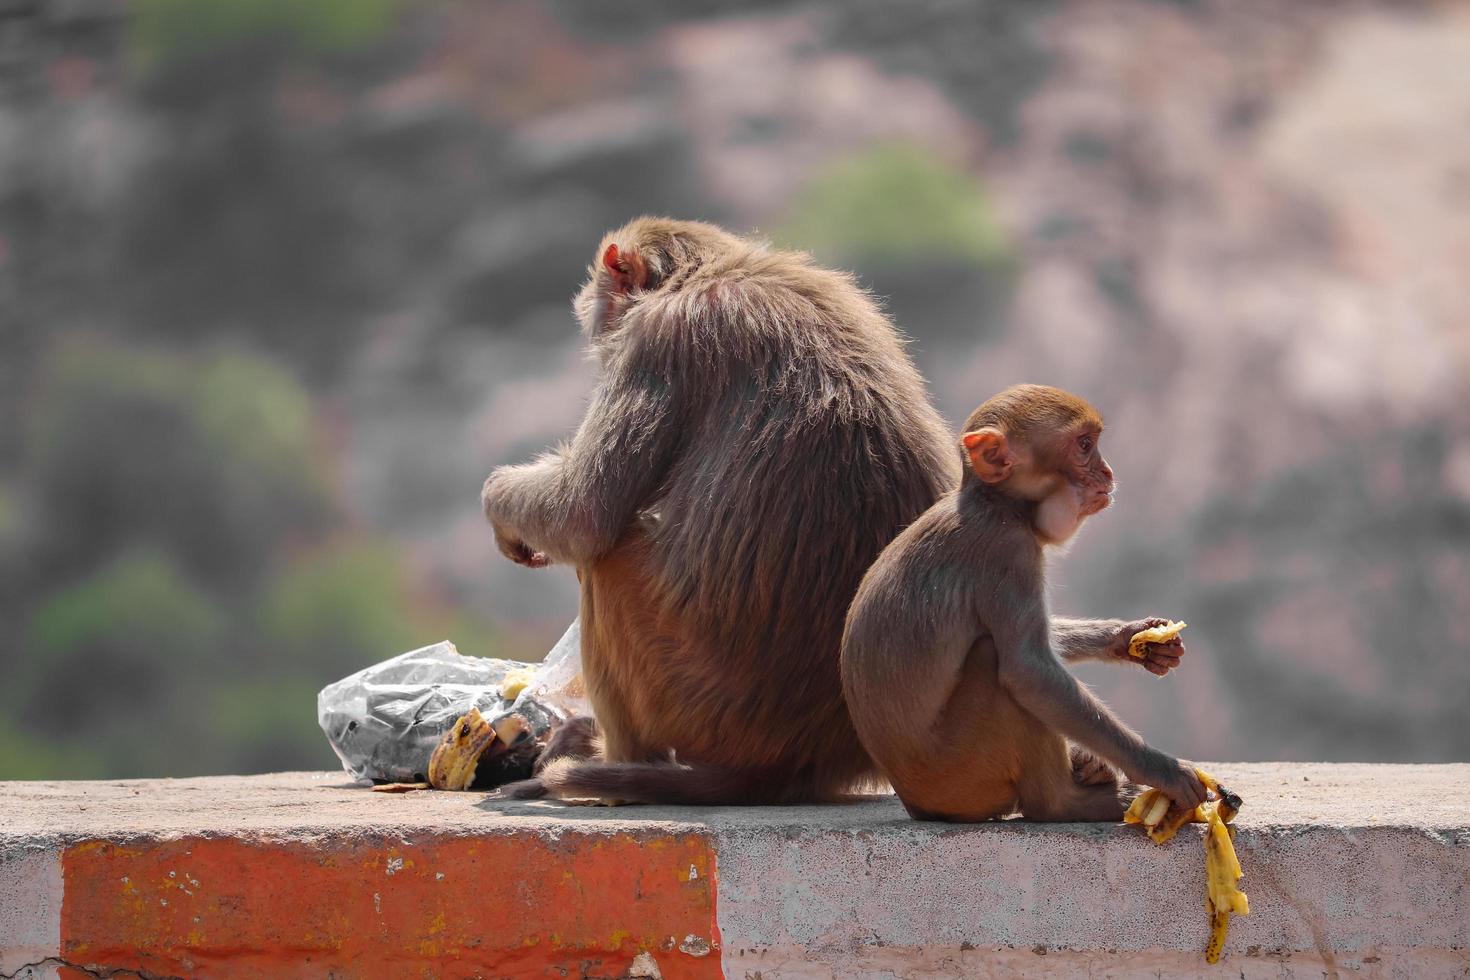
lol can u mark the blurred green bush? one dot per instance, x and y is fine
(896, 203)
(171, 30)
(923, 232)
(192, 577)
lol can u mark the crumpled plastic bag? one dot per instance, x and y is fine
(385, 720)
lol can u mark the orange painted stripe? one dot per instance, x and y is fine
(451, 907)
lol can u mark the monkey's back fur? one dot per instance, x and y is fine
(785, 438)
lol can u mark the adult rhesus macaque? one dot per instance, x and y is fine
(952, 665)
(757, 435)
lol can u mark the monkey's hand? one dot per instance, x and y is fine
(1176, 779)
(519, 552)
(1158, 658)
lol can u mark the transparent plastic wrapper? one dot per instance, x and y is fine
(385, 720)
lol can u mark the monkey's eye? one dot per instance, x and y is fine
(1085, 444)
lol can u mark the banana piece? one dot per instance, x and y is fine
(452, 766)
(1173, 820)
(1141, 804)
(515, 682)
(1155, 634)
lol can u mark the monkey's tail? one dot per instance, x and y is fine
(664, 782)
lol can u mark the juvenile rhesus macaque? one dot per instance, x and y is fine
(756, 437)
(952, 665)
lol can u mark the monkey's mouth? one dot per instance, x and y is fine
(1096, 502)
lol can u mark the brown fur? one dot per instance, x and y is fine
(757, 436)
(950, 661)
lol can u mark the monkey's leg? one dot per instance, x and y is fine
(619, 631)
(1048, 790)
(579, 738)
(966, 773)
(616, 626)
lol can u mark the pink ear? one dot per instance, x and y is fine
(991, 458)
(627, 270)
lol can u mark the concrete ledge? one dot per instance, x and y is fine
(1351, 869)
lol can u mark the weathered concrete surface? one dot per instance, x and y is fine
(1351, 869)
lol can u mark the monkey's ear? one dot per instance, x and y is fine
(626, 269)
(990, 456)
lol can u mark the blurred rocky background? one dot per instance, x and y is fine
(281, 281)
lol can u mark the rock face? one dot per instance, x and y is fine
(1239, 227)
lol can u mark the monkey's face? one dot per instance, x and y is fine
(1081, 484)
(1080, 457)
(1040, 445)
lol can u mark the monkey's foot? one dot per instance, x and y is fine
(1089, 769)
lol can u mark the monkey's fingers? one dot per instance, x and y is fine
(519, 552)
(531, 559)
(1160, 664)
(1168, 654)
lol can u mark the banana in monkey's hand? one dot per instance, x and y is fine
(1162, 821)
(1155, 634)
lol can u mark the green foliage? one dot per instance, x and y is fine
(174, 30)
(896, 203)
(342, 608)
(189, 583)
(140, 601)
(212, 457)
(269, 724)
(256, 416)
(113, 660)
(25, 756)
(348, 605)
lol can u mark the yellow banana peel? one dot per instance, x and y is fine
(1152, 810)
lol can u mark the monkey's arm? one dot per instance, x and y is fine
(1031, 672)
(1085, 639)
(1034, 676)
(1107, 639)
(572, 504)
